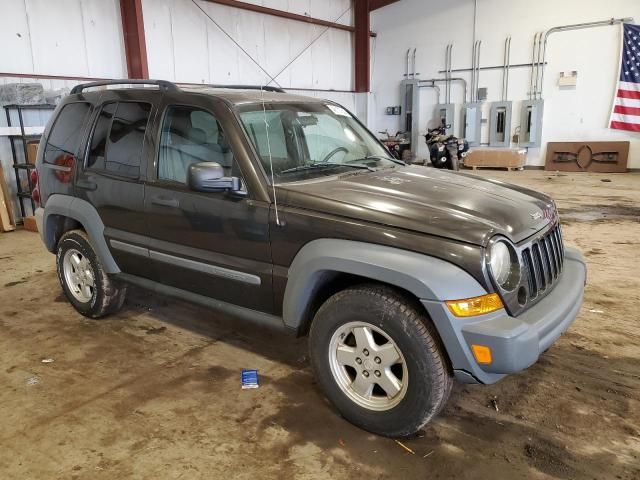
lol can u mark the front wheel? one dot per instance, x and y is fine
(85, 283)
(378, 359)
(452, 161)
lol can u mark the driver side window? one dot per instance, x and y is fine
(191, 135)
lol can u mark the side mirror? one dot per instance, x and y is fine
(209, 177)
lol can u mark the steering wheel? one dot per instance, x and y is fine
(332, 153)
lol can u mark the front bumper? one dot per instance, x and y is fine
(515, 342)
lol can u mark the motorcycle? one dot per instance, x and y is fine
(399, 144)
(445, 150)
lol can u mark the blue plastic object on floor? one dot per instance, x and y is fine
(249, 379)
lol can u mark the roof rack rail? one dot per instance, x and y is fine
(266, 88)
(161, 84)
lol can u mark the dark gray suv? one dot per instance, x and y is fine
(286, 211)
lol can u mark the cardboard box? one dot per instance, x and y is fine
(30, 223)
(5, 220)
(32, 152)
(496, 157)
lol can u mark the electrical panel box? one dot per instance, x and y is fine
(410, 95)
(531, 112)
(500, 124)
(446, 112)
(472, 123)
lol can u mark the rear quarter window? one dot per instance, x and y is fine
(62, 143)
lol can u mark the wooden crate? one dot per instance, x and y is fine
(509, 158)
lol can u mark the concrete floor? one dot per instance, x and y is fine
(154, 393)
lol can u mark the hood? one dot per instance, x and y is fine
(436, 202)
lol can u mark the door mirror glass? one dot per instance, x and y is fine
(209, 177)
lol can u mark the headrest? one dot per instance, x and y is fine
(197, 136)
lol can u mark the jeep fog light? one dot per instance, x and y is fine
(470, 307)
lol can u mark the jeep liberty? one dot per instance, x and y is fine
(286, 211)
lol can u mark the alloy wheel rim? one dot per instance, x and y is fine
(78, 275)
(368, 366)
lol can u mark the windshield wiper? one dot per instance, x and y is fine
(380, 157)
(313, 166)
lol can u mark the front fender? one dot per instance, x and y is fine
(427, 278)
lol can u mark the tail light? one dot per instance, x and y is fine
(35, 193)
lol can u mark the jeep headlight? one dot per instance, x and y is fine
(504, 265)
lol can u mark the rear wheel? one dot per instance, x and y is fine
(85, 283)
(379, 361)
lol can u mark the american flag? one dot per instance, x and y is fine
(626, 106)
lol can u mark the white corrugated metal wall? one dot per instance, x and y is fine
(83, 38)
(177, 31)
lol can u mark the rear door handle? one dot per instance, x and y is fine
(86, 185)
(165, 202)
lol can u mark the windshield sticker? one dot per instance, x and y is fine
(338, 110)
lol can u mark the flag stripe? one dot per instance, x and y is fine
(628, 94)
(625, 126)
(625, 118)
(627, 102)
(626, 110)
(629, 86)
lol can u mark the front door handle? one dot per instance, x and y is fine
(86, 185)
(165, 202)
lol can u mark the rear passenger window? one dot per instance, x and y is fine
(118, 138)
(190, 135)
(99, 140)
(62, 143)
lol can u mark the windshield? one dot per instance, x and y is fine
(309, 140)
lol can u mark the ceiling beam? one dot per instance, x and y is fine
(282, 14)
(135, 47)
(376, 4)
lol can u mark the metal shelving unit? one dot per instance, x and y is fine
(24, 138)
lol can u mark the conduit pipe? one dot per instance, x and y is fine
(453, 79)
(542, 45)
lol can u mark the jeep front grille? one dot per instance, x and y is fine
(543, 260)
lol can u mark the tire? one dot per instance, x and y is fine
(424, 377)
(85, 283)
(453, 159)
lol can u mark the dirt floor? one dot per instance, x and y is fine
(154, 392)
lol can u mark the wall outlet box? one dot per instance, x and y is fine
(568, 79)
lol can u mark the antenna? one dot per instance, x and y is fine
(273, 183)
